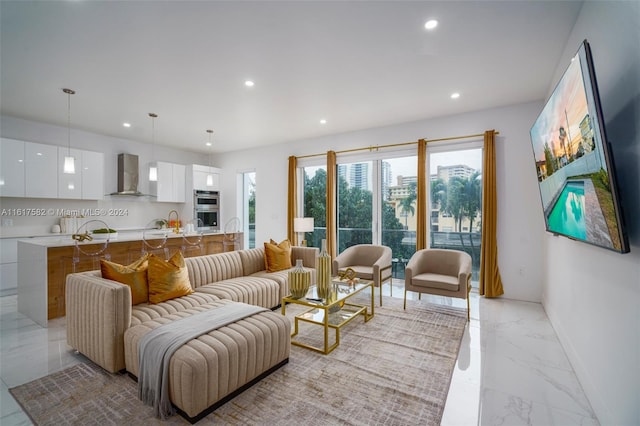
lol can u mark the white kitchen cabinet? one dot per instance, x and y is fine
(200, 178)
(170, 186)
(11, 168)
(87, 182)
(8, 266)
(69, 184)
(179, 174)
(41, 170)
(92, 175)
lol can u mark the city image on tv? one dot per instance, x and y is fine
(574, 176)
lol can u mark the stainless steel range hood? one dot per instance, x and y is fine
(128, 175)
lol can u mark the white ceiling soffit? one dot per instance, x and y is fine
(356, 64)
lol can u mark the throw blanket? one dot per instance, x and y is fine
(156, 348)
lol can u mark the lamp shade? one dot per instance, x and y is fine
(69, 165)
(303, 224)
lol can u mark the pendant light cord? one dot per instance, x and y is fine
(210, 146)
(69, 92)
(153, 134)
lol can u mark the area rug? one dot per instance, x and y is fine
(394, 369)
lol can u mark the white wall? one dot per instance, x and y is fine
(139, 209)
(520, 223)
(590, 294)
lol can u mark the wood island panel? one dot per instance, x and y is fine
(60, 261)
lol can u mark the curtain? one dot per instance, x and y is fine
(331, 204)
(490, 281)
(423, 206)
(292, 200)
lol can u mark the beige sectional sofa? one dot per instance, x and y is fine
(100, 318)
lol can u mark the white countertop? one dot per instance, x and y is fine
(62, 240)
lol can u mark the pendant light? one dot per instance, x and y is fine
(153, 169)
(69, 162)
(209, 175)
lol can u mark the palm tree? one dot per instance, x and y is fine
(472, 197)
(456, 200)
(406, 207)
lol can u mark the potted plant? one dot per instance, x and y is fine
(104, 233)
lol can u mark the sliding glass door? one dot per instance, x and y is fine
(355, 204)
(314, 203)
(398, 186)
(455, 201)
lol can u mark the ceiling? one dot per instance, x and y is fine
(357, 65)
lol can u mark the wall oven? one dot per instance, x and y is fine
(207, 208)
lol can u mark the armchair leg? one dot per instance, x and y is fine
(468, 311)
(405, 300)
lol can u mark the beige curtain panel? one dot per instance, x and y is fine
(292, 204)
(331, 203)
(490, 281)
(423, 205)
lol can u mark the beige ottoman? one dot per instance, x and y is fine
(210, 370)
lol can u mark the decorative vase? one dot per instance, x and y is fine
(299, 280)
(323, 272)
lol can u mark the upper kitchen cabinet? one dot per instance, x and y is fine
(41, 170)
(69, 184)
(87, 182)
(170, 186)
(11, 168)
(206, 178)
(92, 175)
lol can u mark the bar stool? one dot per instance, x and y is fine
(192, 235)
(231, 240)
(154, 239)
(90, 246)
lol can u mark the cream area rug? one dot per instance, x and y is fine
(394, 369)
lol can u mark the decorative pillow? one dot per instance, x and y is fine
(168, 279)
(277, 257)
(133, 275)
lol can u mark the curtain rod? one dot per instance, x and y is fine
(377, 147)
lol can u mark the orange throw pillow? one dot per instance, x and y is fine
(277, 257)
(168, 279)
(133, 275)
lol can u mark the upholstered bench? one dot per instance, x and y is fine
(211, 369)
(256, 291)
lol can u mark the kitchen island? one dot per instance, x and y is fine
(43, 264)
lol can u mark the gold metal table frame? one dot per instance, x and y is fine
(333, 312)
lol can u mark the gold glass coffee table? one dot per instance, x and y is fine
(331, 312)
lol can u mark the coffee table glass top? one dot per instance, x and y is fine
(341, 291)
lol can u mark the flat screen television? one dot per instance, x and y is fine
(573, 160)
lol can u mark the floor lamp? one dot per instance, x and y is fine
(302, 225)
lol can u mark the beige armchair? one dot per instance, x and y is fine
(370, 262)
(439, 272)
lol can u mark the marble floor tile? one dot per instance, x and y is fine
(511, 369)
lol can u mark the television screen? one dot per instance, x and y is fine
(573, 161)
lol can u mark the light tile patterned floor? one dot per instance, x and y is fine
(511, 369)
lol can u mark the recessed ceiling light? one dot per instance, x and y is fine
(126, 124)
(249, 83)
(455, 95)
(208, 144)
(323, 121)
(431, 24)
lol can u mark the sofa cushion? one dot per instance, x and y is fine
(277, 256)
(213, 267)
(134, 275)
(252, 260)
(443, 282)
(168, 279)
(146, 311)
(252, 290)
